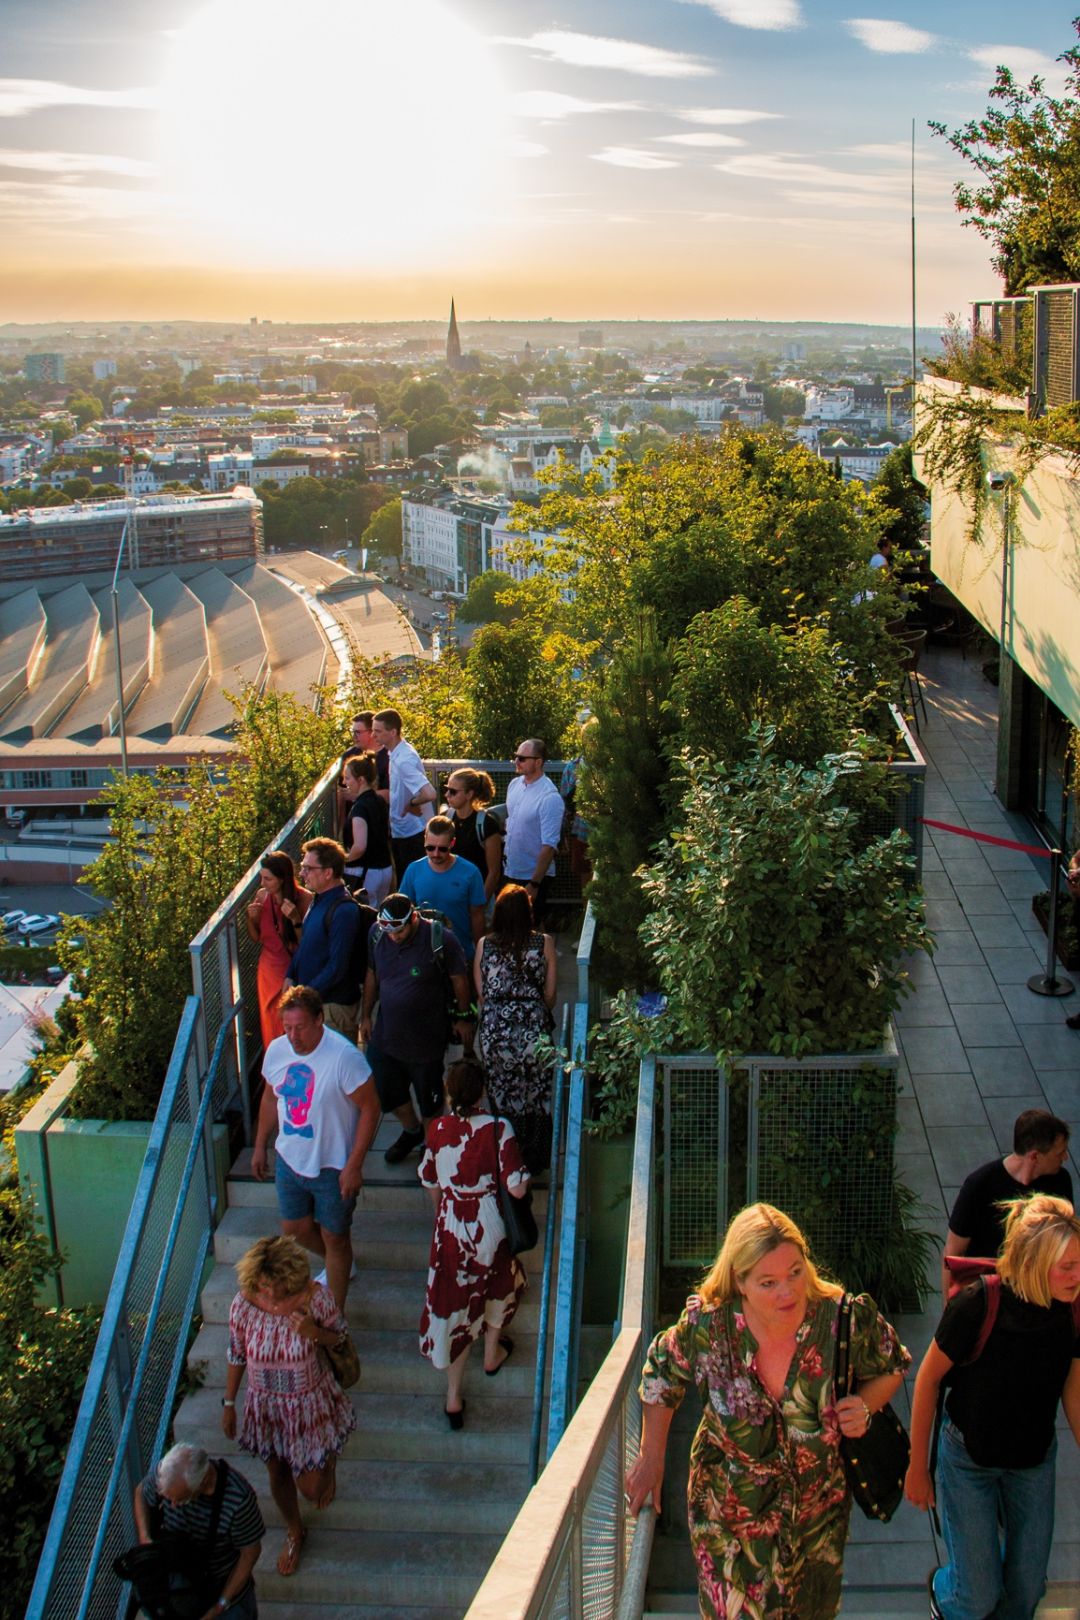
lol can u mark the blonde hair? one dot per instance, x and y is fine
(755, 1232)
(277, 1264)
(1038, 1230)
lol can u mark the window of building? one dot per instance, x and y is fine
(35, 779)
(80, 779)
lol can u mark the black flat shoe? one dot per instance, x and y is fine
(456, 1420)
(508, 1346)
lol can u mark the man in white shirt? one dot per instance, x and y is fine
(412, 797)
(326, 1112)
(534, 817)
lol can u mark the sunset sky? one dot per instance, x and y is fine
(348, 160)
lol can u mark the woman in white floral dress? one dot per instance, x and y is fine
(474, 1282)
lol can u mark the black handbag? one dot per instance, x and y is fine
(168, 1575)
(522, 1232)
(876, 1462)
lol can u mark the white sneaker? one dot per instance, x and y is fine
(321, 1278)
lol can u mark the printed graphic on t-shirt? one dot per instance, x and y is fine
(296, 1092)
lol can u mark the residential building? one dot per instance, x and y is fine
(448, 538)
(104, 369)
(44, 368)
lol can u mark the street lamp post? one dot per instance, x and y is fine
(116, 640)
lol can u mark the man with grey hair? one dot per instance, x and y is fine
(193, 1497)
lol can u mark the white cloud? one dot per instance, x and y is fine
(528, 149)
(1022, 62)
(552, 104)
(893, 38)
(785, 170)
(771, 14)
(702, 137)
(598, 51)
(723, 115)
(74, 163)
(891, 151)
(21, 96)
(632, 157)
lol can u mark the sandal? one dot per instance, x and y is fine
(508, 1346)
(289, 1556)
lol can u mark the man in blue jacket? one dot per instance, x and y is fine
(332, 954)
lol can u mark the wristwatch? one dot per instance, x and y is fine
(224, 1402)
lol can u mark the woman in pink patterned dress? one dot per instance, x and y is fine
(296, 1415)
(474, 1282)
(273, 922)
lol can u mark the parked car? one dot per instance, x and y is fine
(38, 923)
(9, 919)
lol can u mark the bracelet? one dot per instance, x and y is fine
(224, 1402)
(868, 1412)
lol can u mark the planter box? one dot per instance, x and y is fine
(80, 1175)
(1066, 945)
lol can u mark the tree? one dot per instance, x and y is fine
(517, 686)
(85, 408)
(903, 499)
(1026, 204)
(782, 403)
(774, 925)
(483, 604)
(383, 533)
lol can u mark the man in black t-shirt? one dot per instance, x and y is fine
(1035, 1165)
(184, 1495)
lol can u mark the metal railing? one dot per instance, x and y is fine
(127, 1403)
(539, 1377)
(568, 1552)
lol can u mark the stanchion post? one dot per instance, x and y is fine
(1048, 983)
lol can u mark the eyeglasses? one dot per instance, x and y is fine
(437, 849)
(310, 866)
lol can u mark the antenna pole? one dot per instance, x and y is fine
(913, 345)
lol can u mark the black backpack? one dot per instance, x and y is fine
(439, 925)
(356, 972)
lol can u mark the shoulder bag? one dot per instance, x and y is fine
(875, 1463)
(522, 1232)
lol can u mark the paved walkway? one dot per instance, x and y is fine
(978, 1046)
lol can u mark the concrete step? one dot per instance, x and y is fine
(376, 1299)
(293, 1610)
(382, 1495)
(382, 1181)
(386, 1239)
(422, 1566)
(391, 1362)
(398, 1427)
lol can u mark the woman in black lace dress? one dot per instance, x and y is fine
(515, 971)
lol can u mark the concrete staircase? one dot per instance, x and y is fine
(420, 1510)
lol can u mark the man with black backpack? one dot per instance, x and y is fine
(417, 973)
(332, 954)
(200, 1534)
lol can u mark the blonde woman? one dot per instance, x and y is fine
(768, 1501)
(997, 1448)
(296, 1415)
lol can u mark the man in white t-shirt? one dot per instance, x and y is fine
(326, 1112)
(412, 797)
(534, 818)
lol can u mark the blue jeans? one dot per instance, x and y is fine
(992, 1575)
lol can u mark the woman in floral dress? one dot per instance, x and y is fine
(514, 970)
(768, 1501)
(474, 1282)
(296, 1415)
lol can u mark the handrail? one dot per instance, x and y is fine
(564, 1358)
(107, 1426)
(197, 1146)
(559, 1084)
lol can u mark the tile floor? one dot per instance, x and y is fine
(977, 1046)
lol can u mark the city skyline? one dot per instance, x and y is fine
(664, 159)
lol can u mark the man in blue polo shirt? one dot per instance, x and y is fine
(442, 881)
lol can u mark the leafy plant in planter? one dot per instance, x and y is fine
(775, 925)
(1067, 938)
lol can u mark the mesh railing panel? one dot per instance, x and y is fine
(80, 1500)
(824, 1154)
(695, 1162)
(602, 1533)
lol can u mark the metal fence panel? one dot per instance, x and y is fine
(695, 1158)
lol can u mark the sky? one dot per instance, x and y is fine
(365, 159)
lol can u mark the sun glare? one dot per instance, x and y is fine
(333, 134)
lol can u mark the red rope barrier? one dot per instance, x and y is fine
(988, 838)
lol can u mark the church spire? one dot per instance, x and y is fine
(453, 341)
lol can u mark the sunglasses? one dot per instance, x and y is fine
(437, 849)
(395, 924)
(525, 756)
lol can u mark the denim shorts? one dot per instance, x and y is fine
(301, 1196)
